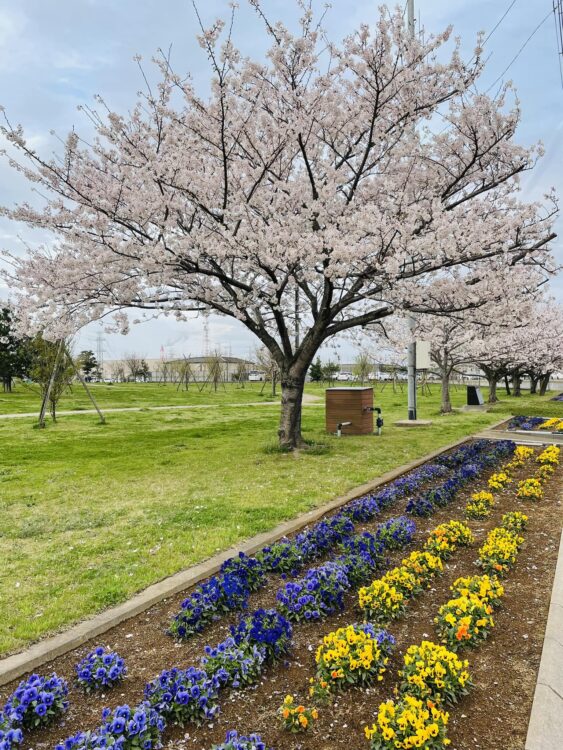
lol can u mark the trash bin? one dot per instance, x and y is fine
(474, 396)
(352, 405)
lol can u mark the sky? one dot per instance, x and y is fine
(58, 54)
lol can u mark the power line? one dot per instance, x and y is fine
(558, 18)
(522, 48)
(498, 23)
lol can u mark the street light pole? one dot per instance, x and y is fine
(411, 353)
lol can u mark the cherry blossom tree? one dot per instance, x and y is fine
(312, 192)
(534, 348)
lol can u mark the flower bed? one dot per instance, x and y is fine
(545, 424)
(269, 655)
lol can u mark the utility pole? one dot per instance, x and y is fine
(411, 352)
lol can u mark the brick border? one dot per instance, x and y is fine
(545, 729)
(48, 649)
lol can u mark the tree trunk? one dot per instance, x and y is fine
(446, 406)
(517, 385)
(291, 402)
(533, 384)
(544, 382)
(507, 385)
(492, 379)
(7, 383)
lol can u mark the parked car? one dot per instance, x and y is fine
(345, 375)
(255, 376)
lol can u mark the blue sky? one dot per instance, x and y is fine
(57, 54)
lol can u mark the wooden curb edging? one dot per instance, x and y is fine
(545, 730)
(46, 650)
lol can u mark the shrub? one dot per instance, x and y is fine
(184, 695)
(234, 665)
(267, 628)
(406, 724)
(295, 717)
(354, 655)
(100, 669)
(36, 702)
(432, 672)
(126, 728)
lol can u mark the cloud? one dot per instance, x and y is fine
(13, 40)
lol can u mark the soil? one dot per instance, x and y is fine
(493, 716)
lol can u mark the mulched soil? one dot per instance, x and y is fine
(504, 668)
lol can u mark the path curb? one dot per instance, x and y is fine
(46, 650)
(545, 730)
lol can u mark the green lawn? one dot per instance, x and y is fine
(25, 398)
(91, 513)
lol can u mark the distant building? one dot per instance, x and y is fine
(171, 370)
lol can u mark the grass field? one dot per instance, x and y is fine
(91, 513)
(26, 398)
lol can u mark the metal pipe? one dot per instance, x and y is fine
(339, 427)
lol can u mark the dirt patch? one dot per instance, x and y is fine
(504, 668)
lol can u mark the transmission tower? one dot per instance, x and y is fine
(205, 334)
(100, 351)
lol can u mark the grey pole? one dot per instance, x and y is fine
(411, 357)
(410, 16)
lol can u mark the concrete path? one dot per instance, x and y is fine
(308, 400)
(545, 730)
(523, 437)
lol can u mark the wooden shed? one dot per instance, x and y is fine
(349, 405)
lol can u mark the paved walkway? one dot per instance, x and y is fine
(545, 730)
(308, 400)
(523, 437)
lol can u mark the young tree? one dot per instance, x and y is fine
(14, 352)
(87, 362)
(330, 371)
(269, 366)
(144, 371)
(134, 364)
(363, 367)
(316, 371)
(118, 372)
(301, 175)
(241, 373)
(52, 368)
